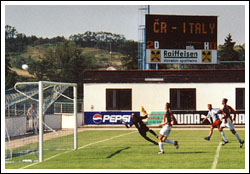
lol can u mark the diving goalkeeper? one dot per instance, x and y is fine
(142, 128)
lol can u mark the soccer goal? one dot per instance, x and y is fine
(32, 128)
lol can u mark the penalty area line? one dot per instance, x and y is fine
(33, 164)
(216, 157)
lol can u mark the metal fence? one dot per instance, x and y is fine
(66, 107)
(20, 109)
(17, 110)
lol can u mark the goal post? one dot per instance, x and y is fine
(40, 118)
(75, 118)
(41, 83)
(44, 100)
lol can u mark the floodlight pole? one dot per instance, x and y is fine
(144, 40)
(40, 121)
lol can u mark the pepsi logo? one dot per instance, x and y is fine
(97, 118)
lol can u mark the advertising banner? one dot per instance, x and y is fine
(155, 118)
(105, 118)
(175, 56)
(190, 117)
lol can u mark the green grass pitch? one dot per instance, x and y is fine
(126, 149)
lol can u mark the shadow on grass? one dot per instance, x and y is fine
(117, 152)
(185, 152)
(25, 152)
(146, 145)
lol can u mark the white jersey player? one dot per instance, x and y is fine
(213, 115)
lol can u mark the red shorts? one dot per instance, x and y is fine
(216, 124)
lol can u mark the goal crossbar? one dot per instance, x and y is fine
(46, 82)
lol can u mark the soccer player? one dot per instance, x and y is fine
(227, 121)
(166, 125)
(142, 128)
(212, 114)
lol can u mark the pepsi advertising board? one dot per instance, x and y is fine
(100, 118)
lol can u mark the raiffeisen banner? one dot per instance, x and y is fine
(175, 56)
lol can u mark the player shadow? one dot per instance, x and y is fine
(26, 152)
(146, 145)
(117, 152)
(185, 152)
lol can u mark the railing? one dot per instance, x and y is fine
(57, 108)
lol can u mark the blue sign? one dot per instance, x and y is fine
(107, 117)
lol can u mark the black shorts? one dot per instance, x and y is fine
(143, 131)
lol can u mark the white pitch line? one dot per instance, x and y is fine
(78, 149)
(105, 140)
(216, 157)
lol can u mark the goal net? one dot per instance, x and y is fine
(33, 129)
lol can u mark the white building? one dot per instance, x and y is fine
(186, 90)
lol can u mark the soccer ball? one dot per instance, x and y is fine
(25, 67)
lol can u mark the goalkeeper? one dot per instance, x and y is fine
(142, 128)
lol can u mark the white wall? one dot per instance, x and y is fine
(154, 96)
(53, 121)
(68, 120)
(17, 125)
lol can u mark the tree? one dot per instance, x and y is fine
(65, 63)
(10, 76)
(228, 53)
(99, 40)
(14, 41)
(130, 60)
(241, 51)
(10, 32)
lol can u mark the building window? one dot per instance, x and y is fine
(240, 98)
(183, 99)
(118, 99)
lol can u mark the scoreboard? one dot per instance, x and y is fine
(175, 39)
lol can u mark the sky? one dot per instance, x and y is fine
(65, 20)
